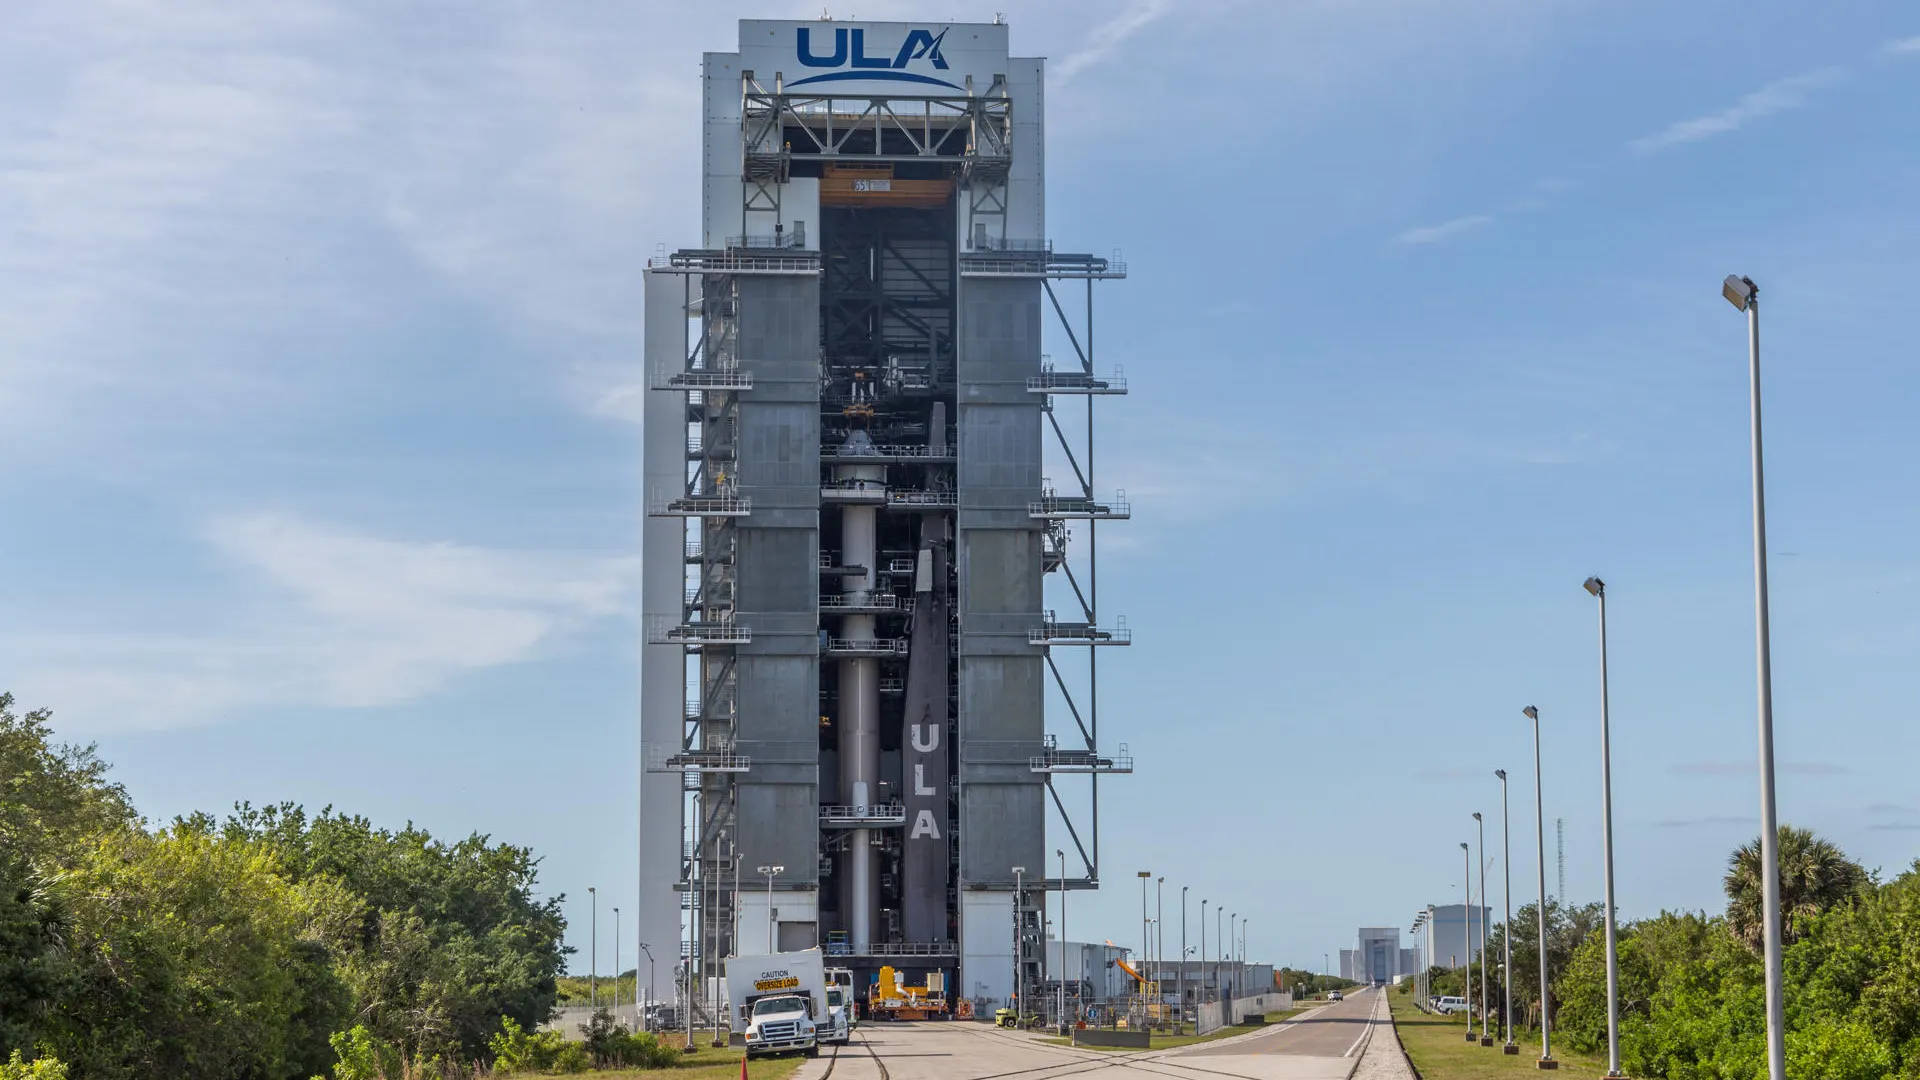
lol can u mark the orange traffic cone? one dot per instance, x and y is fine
(743, 1067)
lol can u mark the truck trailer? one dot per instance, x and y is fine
(778, 1003)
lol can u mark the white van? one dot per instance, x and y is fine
(1450, 1005)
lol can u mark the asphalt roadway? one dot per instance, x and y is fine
(1323, 1044)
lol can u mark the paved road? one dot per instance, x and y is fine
(1314, 1046)
(1327, 1032)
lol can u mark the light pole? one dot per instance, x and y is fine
(1146, 933)
(1540, 835)
(593, 950)
(616, 961)
(1599, 590)
(1183, 961)
(1466, 856)
(1486, 1035)
(1203, 958)
(1742, 293)
(639, 1016)
(1506, 936)
(1019, 935)
(1159, 939)
(1220, 961)
(770, 871)
(1062, 853)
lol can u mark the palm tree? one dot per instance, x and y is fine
(1815, 876)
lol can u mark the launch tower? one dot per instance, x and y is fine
(850, 652)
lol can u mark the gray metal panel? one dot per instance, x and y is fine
(663, 668)
(1026, 185)
(777, 553)
(1002, 689)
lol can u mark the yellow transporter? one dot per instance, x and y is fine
(892, 1001)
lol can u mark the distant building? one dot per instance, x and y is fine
(1451, 936)
(1377, 956)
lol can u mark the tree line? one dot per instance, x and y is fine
(254, 946)
(1692, 985)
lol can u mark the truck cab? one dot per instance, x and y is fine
(839, 1026)
(778, 1002)
(778, 1023)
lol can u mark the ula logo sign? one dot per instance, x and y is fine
(850, 51)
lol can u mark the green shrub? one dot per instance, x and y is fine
(19, 1068)
(363, 1057)
(516, 1050)
(609, 1044)
(1845, 1051)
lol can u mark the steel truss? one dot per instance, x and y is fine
(971, 132)
(706, 757)
(1073, 754)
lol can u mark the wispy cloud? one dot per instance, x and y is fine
(1446, 230)
(337, 618)
(1711, 819)
(1106, 38)
(1894, 809)
(1749, 768)
(1896, 826)
(1772, 98)
(1902, 45)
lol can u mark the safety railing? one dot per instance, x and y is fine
(854, 604)
(1080, 507)
(861, 817)
(854, 491)
(865, 646)
(1054, 760)
(733, 378)
(699, 506)
(1077, 382)
(663, 630)
(747, 261)
(918, 499)
(1070, 633)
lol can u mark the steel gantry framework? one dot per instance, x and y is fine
(1080, 753)
(712, 378)
(972, 131)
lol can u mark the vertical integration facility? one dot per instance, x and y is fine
(1453, 934)
(850, 544)
(1377, 957)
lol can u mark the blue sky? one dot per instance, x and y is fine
(319, 348)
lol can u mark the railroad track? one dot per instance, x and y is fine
(833, 1062)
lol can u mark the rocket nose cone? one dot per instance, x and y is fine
(858, 442)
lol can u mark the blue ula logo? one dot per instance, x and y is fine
(850, 51)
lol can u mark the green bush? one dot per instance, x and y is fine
(609, 1044)
(516, 1050)
(363, 1057)
(17, 1067)
(1843, 1051)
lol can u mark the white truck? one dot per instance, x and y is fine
(840, 1005)
(779, 1003)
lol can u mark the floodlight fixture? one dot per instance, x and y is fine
(1595, 586)
(1531, 713)
(1740, 291)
